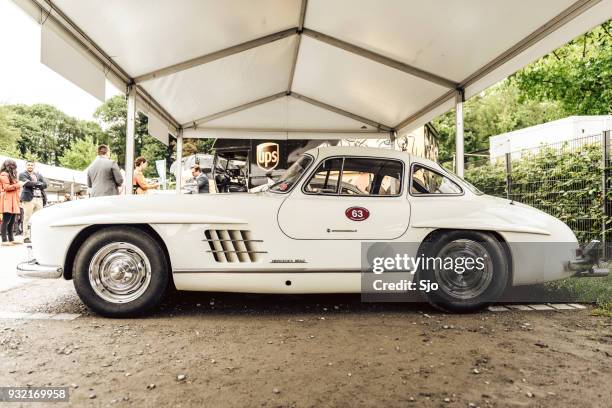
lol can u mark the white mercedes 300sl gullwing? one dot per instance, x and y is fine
(303, 234)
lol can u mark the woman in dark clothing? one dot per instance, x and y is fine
(9, 200)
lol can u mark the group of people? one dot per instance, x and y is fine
(105, 178)
(21, 195)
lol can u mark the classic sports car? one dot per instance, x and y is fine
(303, 234)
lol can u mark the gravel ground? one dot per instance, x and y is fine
(301, 351)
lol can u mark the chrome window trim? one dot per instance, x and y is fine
(412, 166)
(343, 157)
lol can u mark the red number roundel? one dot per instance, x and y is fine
(357, 213)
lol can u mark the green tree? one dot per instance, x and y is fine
(496, 110)
(46, 132)
(578, 75)
(8, 135)
(112, 116)
(153, 150)
(79, 155)
(193, 146)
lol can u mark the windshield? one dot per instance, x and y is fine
(292, 175)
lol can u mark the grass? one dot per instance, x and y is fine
(589, 290)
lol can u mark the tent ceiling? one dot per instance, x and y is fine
(287, 113)
(144, 35)
(227, 82)
(449, 38)
(392, 64)
(359, 85)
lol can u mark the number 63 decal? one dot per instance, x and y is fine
(357, 213)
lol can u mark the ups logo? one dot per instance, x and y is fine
(268, 155)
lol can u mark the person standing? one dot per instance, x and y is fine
(9, 200)
(32, 195)
(140, 184)
(200, 179)
(103, 175)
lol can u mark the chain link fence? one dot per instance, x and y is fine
(569, 180)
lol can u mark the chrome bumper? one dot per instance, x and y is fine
(33, 269)
(587, 265)
(583, 268)
(592, 273)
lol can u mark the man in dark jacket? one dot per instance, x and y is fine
(32, 196)
(200, 179)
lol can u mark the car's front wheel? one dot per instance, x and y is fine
(462, 285)
(120, 272)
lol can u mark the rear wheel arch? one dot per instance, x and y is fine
(90, 230)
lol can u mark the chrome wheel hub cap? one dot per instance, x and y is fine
(119, 272)
(466, 283)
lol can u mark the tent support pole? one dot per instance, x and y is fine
(459, 136)
(179, 160)
(296, 51)
(130, 138)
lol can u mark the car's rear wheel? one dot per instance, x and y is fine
(120, 272)
(461, 288)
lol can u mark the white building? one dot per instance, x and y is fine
(570, 128)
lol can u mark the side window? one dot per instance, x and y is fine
(358, 176)
(427, 181)
(361, 176)
(325, 179)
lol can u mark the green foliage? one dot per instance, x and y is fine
(153, 150)
(79, 155)
(578, 75)
(112, 116)
(45, 132)
(193, 146)
(8, 135)
(575, 79)
(497, 110)
(592, 290)
(490, 179)
(563, 182)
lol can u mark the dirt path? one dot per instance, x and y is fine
(238, 350)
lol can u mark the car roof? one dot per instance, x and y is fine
(329, 151)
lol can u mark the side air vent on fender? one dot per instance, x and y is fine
(233, 245)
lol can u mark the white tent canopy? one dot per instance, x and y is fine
(305, 66)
